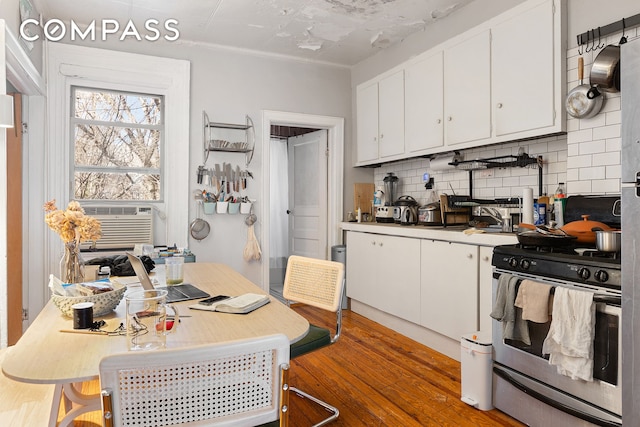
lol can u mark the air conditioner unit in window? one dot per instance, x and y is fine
(122, 226)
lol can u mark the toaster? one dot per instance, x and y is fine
(384, 214)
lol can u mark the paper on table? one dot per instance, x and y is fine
(242, 304)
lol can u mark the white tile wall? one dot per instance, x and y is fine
(587, 158)
(487, 184)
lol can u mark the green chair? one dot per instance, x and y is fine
(318, 283)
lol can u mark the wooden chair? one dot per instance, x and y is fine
(318, 283)
(241, 383)
(24, 404)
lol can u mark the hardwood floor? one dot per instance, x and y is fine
(376, 377)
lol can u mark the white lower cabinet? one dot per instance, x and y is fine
(442, 286)
(384, 272)
(449, 287)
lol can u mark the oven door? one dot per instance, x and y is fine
(518, 360)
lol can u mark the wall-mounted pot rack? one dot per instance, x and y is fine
(596, 34)
(209, 144)
(522, 160)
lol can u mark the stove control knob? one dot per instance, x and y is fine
(584, 273)
(513, 262)
(601, 276)
(525, 264)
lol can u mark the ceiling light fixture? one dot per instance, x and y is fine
(6, 111)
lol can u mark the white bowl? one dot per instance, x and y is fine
(104, 303)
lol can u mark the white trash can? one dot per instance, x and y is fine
(476, 365)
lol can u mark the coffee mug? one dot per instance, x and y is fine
(147, 321)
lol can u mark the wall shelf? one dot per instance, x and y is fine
(510, 161)
(522, 160)
(245, 145)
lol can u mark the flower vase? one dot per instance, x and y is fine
(71, 265)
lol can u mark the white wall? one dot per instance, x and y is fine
(229, 85)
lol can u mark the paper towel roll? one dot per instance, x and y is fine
(442, 163)
(527, 205)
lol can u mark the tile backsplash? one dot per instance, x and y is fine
(487, 183)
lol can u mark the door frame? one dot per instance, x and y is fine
(335, 173)
(16, 67)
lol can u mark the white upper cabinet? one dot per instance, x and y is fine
(391, 115)
(367, 123)
(467, 90)
(522, 72)
(423, 100)
(380, 119)
(500, 81)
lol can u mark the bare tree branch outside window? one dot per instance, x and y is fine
(117, 140)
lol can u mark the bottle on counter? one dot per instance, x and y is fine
(559, 204)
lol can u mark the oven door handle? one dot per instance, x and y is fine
(551, 402)
(608, 299)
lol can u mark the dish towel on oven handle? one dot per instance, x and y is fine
(505, 311)
(534, 298)
(569, 342)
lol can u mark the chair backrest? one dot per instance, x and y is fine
(228, 384)
(315, 282)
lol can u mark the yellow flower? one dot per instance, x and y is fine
(71, 224)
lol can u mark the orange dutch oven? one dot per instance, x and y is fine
(585, 230)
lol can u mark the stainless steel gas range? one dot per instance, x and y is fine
(525, 385)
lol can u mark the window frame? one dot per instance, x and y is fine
(86, 66)
(162, 148)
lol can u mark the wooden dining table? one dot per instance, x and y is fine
(46, 355)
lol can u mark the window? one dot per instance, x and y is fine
(70, 68)
(117, 139)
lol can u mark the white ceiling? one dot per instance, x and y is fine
(336, 31)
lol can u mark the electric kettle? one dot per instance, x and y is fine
(403, 204)
(409, 216)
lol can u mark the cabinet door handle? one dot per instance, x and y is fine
(499, 105)
(439, 121)
(449, 118)
(373, 242)
(470, 256)
(381, 135)
(380, 244)
(486, 258)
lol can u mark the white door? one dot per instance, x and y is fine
(308, 195)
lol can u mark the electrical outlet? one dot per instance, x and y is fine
(485, 173)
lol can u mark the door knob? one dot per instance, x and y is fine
(288, 212)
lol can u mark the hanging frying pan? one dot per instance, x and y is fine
(583, 102)
(199, 228)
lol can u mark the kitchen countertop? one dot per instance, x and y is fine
(449, 233)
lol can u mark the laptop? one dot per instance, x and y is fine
(175, 293)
